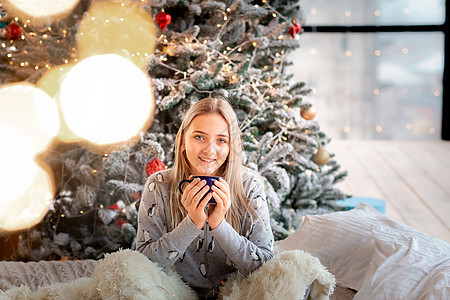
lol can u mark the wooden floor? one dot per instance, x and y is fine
(413, 177)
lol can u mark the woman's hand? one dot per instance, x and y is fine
(220, 193)
(192, 195)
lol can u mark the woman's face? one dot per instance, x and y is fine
(207, 144)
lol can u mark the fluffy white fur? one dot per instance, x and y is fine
(130, 275)
(285, 276)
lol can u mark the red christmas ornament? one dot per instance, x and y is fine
(294, 30)
(163, 19)
(153, 166)
(13, 31)
(119, 222)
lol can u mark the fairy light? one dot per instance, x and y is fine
(432, 131)
(379, 128)
(436, 93)
(377, 52)
(406, 11)
(313, 51)
(313, 11)
(346, 129)
(405, 50)
(348, 13)
(377, 13)
(408, 126)
(348, 53)
(376, 91)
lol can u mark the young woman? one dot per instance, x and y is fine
(206, 242)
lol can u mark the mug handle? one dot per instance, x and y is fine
(181, 182)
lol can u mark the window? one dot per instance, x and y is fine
(375, 67)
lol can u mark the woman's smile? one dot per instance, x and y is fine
(206, 143)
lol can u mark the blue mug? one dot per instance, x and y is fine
(209, 181)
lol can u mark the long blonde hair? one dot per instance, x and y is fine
(231, 170)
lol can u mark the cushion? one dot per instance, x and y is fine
(407, 264)
(341, 240)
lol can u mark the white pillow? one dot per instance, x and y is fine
(341, 240)
(407, 264)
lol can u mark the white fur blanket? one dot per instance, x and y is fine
(130, 275)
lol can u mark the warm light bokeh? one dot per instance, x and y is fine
(106, 99)
(41, 12)
(18, 167)
(30, 207)
(124, 28)
(30, 112)
(50, 83)
(28, 122)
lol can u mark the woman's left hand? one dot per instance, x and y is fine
(220, 193)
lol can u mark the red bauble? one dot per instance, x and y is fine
(163, 19)
(153, 166)
(294, 30)
(13, 31)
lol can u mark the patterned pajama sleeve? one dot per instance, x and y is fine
(247, 253)
(153, 238)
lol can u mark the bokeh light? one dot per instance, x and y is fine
(106, 99)
(28, 122)
(41, 12)
(50, 83)
(18, 167)
(31, 206)
(124, 28)
(30, 112)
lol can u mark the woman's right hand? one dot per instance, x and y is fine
(192, 194)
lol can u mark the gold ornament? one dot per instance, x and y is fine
(321, 157)
(308, 113)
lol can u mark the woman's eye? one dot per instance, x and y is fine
(222, 141)
(198, 137)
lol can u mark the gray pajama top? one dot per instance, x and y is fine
(203, 264)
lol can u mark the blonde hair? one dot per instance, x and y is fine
(231, 170)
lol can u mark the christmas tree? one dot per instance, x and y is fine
(234, 49)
